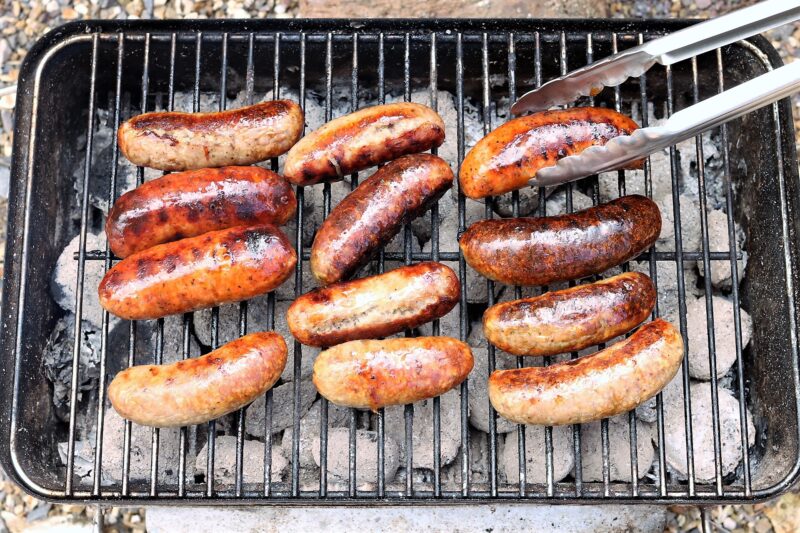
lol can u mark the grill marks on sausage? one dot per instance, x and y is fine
(539, 251)
(250, 116)
(374, 213)
(190, 203)
(509, 156)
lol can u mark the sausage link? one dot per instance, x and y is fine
(370, 374)
(363, 139)
(508, 157)
(186, 141)
(215, 268)
(374, 307)
(571, 319)
(604, 384)
(198, 390)
(186, 204)
(372, 214)
(538, 251)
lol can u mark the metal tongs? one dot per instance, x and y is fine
(685, 124)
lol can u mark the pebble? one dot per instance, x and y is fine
(252, 461)
(702, 432)
(724, 335)
(338, 456)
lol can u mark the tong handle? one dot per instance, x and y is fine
(717, 32)
(733, 103)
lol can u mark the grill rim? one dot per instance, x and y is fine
(19, 216)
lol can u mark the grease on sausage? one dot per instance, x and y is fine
(597, 386)
(571, 319)
(509, 156)
(215, 268)
(186, 204)
(202, 389)
(370, 374)
(374, 307)
(363, 139)
(538, 251)
(186, 141)
(372, 214)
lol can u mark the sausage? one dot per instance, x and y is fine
(370, 374)
(186, 141)
(363, 139)
(198, 390)
(538, 251)
(372, 214)
(571, 319)
(604, 384)
(215, 268)
(186, 204)
(374, 307)
(512, 154)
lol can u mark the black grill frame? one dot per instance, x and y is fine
(488, 34)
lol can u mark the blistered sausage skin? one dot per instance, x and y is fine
(186, 204)
(370, 374)
(542, 250)
(593, 387)
(215, 268)
(198, 390)
(363, 139)
(374, 212)
(186, 141)
(571, 319)
(509, 156)
(374, 307)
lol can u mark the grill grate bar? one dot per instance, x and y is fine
(737, 318)
(676, 207)
(381, 416)
(352, 481)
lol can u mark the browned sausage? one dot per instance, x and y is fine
(363, 139)
(571, 319)
(372, 374)
(538, 251)
(374, 307)
(185, 141)
(512, 154)
(372, 214)
(604, 384)
(202, 389)
(194, 202)
(215, 268)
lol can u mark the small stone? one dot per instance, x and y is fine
(252, 461)
(702, 432)
(535, 457)
(282, 407)
(724, 336)
(338, 456)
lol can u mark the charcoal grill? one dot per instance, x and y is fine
(119, 66)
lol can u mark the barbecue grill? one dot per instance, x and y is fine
(130, 67)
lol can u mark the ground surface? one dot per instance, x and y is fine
(22, 22)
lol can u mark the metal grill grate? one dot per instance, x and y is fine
(486, 63)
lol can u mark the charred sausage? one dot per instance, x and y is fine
(370, 374)
(372, 214)
(374, 307)
(186, 204)
(604, 384)
(511, 155)
(186, 141)
(571, 319)
(363, 139)
(198, 390)
(212, 269)
(538, 251)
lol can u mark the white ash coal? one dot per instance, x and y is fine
(724, 335)
(702, 432)
(536, 466)
(619, 449)
(338, 456)
(718, 241)
(252, 462)
(479, 408)
(282, 408)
